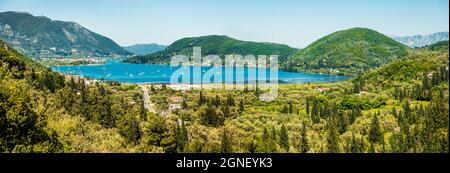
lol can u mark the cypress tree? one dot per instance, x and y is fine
(332, 139)
(285, 110)
(307, 106)
(375, 134)
(265, 135)
(274, 134)
(226, 142)
(315, 112)
(284, 138)
(354, 148)
(291, 109)
(241, 106)
(252, 147)
(304, 146)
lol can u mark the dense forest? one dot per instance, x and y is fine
(347, 52)
(401, 106)
(215, 45)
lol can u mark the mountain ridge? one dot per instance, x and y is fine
(416, 41)
(42, 37)
(214, 44)
(145, 48)
(347, 52)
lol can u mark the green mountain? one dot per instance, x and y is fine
(42, 112)
(144, 49)
(39, 36)
(215, 44)
(407, 71)
(439, 46)
(22, 83)
(347, 52)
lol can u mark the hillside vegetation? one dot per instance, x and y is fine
(347, 52)
(439, 46)
(41, 37)
(214, 45)
(399, 107)
(40, 111)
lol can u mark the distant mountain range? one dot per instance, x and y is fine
(144, 49)
(215, 44)
(347, 52)
(39, 36)
(422, 40)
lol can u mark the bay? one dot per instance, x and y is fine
(155, 73)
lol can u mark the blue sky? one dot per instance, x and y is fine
(293, 22)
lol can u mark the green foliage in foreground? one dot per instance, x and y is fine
(400, 107)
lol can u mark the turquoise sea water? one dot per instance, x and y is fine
(152, 73)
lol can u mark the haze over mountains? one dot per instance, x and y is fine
(39, 36)
(144, 49)
(422, 40)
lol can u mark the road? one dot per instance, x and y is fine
(147, 102)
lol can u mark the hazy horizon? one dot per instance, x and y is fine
(292, 22)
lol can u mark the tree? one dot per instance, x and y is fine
(152, 88)
(201, 99)
(375, 133)
(216, 101)
(332, 139)
(184, 104)
(285, 110)
(304, 146)
(230, 100)
(241, 106)
(354, 147)
(315, 112)
(425, 82)
(21, 129)
(291, 108)
(155, 129)
(181, 137)
(252, 147)
(128, 127)
(284, 138)
(169, 142)
(307, 106)
(274, 134)
(226, 142)
(265, 134)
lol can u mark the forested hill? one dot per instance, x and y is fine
(399, 107)
(40, 111)
(39, 36)
(144, 49)
(439, 46)
(22, 85)
(215, 44)
(347, 52)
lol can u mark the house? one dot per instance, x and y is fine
(68, 77)
(362, 93)
(323, 90)
(180, 87)
(174, 107)
(176, 99)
